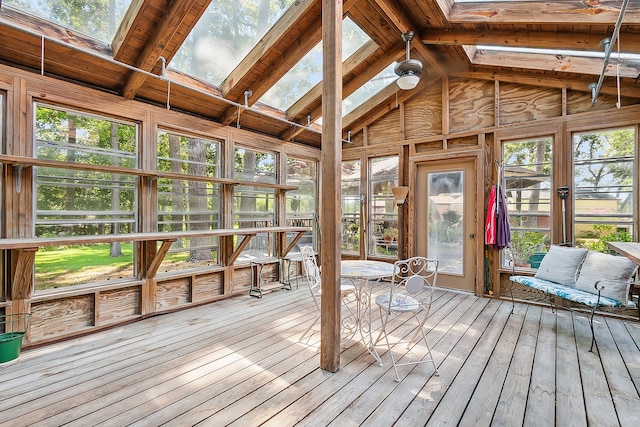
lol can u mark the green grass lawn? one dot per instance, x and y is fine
(73, 265)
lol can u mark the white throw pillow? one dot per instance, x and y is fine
(613, 272)
(561, 265)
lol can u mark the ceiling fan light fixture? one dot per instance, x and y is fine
(408, 81)
(409, 70)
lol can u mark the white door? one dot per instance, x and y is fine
(446, 220)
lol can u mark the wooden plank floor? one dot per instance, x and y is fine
(239, 362)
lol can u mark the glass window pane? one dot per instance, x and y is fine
(97, 19)
(445, 220)
(225, 33)
(301, 204)
(351, 202)
(71, 202)
(527, 184)
(255, 206)
(604, 182)
(383, 216)
(254, 166)
(68, 136)
(188, 204)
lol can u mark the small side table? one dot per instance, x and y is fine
(257, 287)
(285, 267)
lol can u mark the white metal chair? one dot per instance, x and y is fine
(314, 282)
(411, 292)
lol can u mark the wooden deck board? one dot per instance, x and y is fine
(540, 409)
(569, 397)
(240, 362)
(513, 397)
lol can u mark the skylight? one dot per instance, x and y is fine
(370, 88)
(89, 17)
(308, 72)
(225, 34)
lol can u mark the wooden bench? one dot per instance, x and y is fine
(588, 278)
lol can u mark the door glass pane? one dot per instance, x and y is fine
(445, 226)
(383, 217)
(351, 201)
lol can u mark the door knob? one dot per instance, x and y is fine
(472, 235)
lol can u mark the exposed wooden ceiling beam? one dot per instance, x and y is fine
(548, 62)
(403, 24)
(554, 12)
(530, 39)
(154, 48)
(126, 31)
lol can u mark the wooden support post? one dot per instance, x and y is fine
(22, 262)
(331, 164)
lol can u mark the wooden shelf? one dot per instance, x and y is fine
(20, 161)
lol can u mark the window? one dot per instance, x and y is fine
(351, 202)
(98, 19)
(77, 201)
(302, 203)
(189, 204)
(604, 168)
(527, 185)
(254, 206)
(230, 28)
(383, 215)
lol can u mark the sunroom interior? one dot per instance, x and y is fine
(159, 156)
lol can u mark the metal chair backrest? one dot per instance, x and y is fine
(416, 277)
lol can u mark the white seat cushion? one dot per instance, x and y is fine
(613, 272)
(401, 303)
(561, 265)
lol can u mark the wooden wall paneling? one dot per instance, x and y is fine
(471, 104)
(118, 304)
(429, 146)
(520, 104)
(424, 114)
(172, 293)
(72, 315)
(385, 129)
(207, 286)
(580, 102)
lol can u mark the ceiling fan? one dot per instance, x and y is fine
(409, 70)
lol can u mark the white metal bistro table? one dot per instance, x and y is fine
(364, 275)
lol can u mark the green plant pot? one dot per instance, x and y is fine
(536, 259)
(10, 343)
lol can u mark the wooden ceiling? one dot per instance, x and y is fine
(446, 35)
